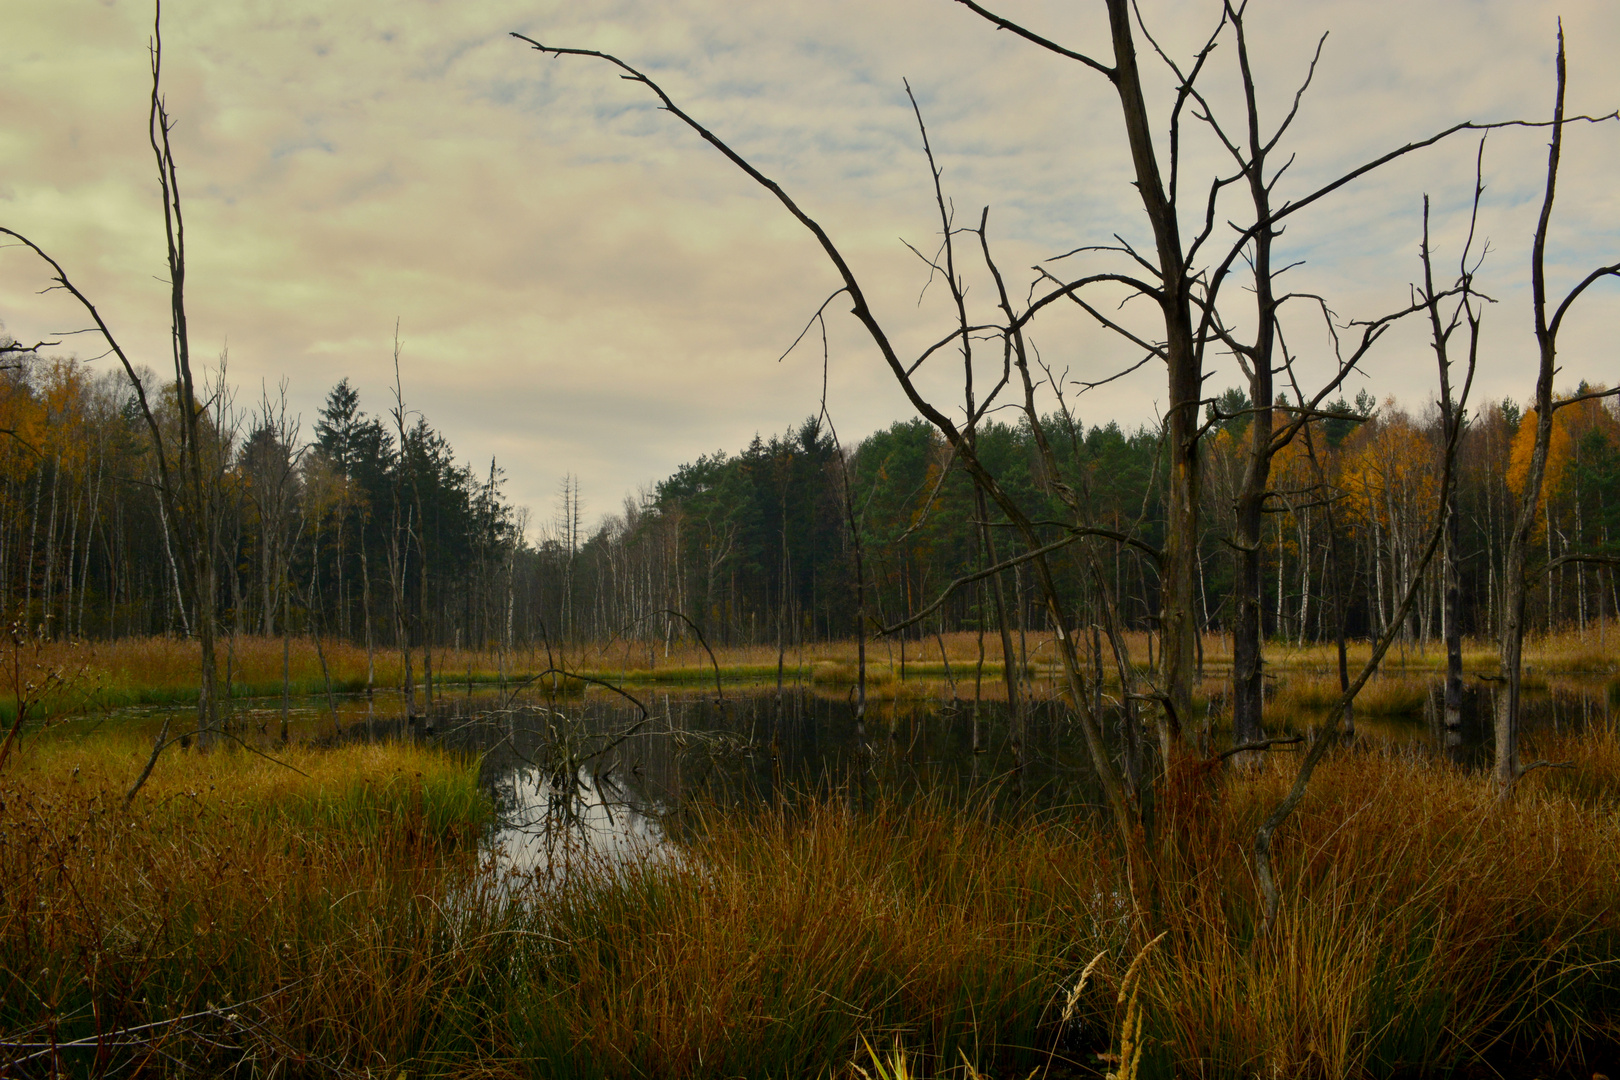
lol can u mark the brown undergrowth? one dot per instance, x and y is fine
(240, 913)
(222, 925)
(1425, 927)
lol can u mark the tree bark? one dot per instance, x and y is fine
(1184, 373)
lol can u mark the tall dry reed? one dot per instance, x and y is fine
(239, 913)
(1425, 927)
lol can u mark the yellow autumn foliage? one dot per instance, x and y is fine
(1570, 424)
(1524, 444)
(1389, 472)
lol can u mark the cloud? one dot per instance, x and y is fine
(584, 286)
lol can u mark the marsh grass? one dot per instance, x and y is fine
(1425, 924)
(1565, 652)
(1420, 934)
(349, 790)
(163, 671)
(1385, 695)
(239, 912)
(1592, 758)
(337, 920)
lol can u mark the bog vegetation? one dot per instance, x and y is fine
(246, 919)
(1195, 600)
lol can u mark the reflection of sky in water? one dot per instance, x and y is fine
(549, 830)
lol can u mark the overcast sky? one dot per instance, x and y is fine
(583, 286)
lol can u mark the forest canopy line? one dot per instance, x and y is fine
(751, 543)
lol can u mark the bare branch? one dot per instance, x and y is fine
(811, 323)
(1593, 560)
(1399, 152)
(101, 327)
(1299, 94)
(948, 246)
(1074, 295)
(1612, 270)
(1263, 744)
(1006, 24)
(23, 350)
(1075, 286)
(928, 505)
(944, 341)
(1185, 88)
(968, 579)
(862, 310)
(1084, 386)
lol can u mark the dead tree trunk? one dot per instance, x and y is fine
(1441, 329)
(1515, 585)
(188, 488)
(1171, 285)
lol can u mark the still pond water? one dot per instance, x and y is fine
(599, 777)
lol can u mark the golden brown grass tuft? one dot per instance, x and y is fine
(1424, 923)
(1384, 695)
(238, 911)
(331, 922)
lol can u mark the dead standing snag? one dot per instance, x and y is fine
(1186, 297)
(959, 437)
(188, 472)
(1328, 734)
(1515, 587)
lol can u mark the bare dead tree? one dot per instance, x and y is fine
(1174, 274)
(1442, 326)
(945, 266)
(1326, 736)
(1252, 153)
(187, 488)
(1515, 586)
(852, 522)
(399, 546)
(1186, 295)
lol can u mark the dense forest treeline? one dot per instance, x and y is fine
(368, 529)
(758, 537)
(364, 529)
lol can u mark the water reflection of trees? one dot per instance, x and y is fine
(592, 782)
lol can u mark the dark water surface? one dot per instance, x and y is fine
(598, 777)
